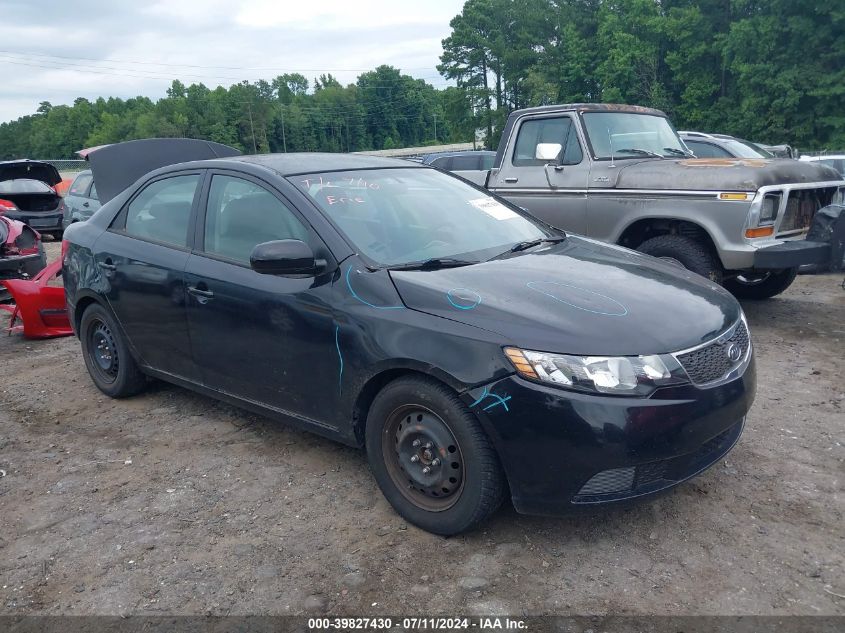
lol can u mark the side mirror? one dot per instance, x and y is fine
(285, 257)
(548, 152)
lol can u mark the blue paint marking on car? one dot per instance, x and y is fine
(463, 303)
(364, 301)
(622, 311)
(499, 400)
(339, 357)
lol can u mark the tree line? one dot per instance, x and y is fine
(768, 70)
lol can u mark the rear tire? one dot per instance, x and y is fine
(765, 286)
(465, 483)
(107, 356)
(692, 255)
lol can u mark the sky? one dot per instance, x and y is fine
(56, 50)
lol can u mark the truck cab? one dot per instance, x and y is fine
(622, 174)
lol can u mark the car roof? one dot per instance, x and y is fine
(591, 107)
(312, 162)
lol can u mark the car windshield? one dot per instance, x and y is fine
(400, 216)
(623, 135)
(24, 185)
(744, 149)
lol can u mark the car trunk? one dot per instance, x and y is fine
(33, 202)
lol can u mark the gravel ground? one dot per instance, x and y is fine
(173, 503)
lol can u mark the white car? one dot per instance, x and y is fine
(837, 161)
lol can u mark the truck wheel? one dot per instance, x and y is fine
(685, 251)
(761, 286)
(431, 458)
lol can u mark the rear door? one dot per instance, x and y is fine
(265, 338)
(142, 258)
(557, 195)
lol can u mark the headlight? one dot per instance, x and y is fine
(769, 208)
(621, 375)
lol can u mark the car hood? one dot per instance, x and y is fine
(30, 169)
(577, 297)
(719, 174)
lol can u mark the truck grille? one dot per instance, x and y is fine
(801, 206)
(712, 362)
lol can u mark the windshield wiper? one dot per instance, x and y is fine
(643, 152)
(677, 152)
(522, 246)
(434, 264)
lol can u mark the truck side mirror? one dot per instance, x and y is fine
(548, 152)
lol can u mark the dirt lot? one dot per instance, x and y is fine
(173, 503)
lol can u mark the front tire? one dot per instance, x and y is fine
(431, 458)
(107, 356)
(762, 286)
(683, 250)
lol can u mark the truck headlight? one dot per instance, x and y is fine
(620, 375)
(769, 208)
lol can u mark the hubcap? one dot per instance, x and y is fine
(103, 351)
(423, 458)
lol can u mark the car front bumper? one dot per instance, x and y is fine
(563, 451)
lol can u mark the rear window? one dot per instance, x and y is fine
(80, 185)
(25, 186)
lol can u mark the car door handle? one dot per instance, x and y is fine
(201, 294)
(85, 204)
(107, 265)
(512, 179)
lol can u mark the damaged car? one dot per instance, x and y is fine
(21, 252)
(28, 194)
(475, 352)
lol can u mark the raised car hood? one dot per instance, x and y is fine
(718, 174)
(578, 297)
(31, 169)
(117, 166)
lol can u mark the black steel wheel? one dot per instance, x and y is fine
(107, 356)
(423, 457)
(431, 458)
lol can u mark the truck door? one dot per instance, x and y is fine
(557, 194)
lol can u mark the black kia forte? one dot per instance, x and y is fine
(473, 351)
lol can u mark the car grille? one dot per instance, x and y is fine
(711, 362)
(623, 483)
(801, 206)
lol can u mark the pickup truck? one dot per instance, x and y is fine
(621, 174)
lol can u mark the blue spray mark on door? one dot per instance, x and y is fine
(339, 357)
(498, 400)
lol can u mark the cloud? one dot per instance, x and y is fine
(57, 51)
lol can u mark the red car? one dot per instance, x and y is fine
(21, 252)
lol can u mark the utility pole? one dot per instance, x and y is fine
(284, 142)
(251, 126)
(435, 127)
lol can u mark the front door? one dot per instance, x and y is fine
(265, 338)
(555, 194)
(142, 258)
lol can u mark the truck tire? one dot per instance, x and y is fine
(763, 286)
(692, 255)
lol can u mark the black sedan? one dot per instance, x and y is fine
(475, 352)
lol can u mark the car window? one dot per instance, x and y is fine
(557, 130)
(706, 150)
(465, 162)
(444, 162)
(488, 159)
(80, 184)
(93, 193)
(241, 214)
(161, 211)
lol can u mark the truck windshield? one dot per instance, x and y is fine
(399, 216)
(624, 135)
